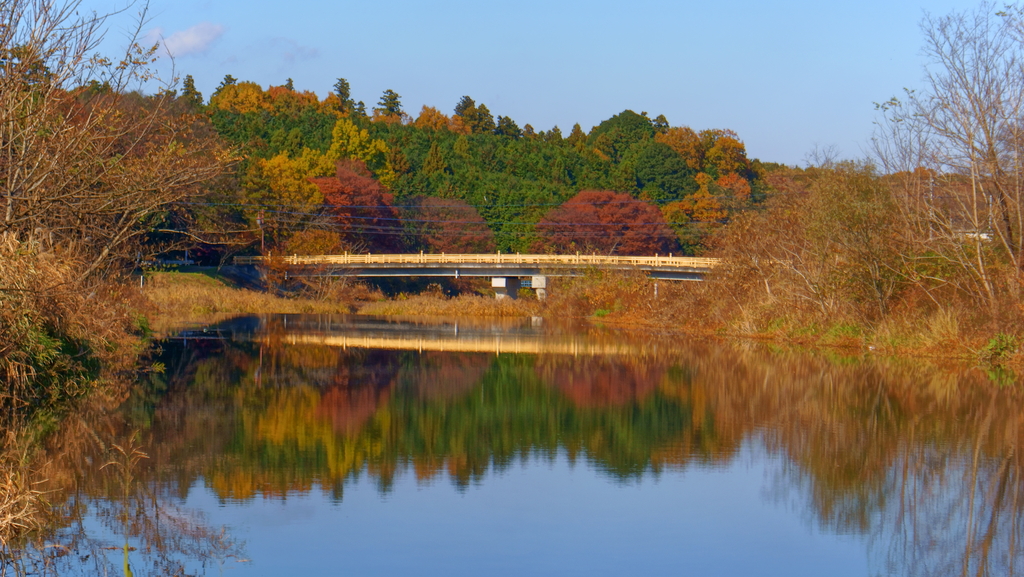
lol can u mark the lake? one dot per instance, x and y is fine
(347, 445)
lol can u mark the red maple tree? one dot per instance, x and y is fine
(449, 225)
(608, 223)
(362, 208)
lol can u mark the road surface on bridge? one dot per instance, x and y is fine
(485, 265)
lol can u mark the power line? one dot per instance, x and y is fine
(417, 206)
(446, 221)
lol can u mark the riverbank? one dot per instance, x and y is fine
(63, 341)
(204, 295)
(628, 301)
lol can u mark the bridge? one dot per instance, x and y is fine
(505, 270)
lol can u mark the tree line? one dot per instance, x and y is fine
(325, 175)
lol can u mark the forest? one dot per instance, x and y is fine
(320, 175)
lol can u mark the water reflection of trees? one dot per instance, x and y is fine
(921, 458)
(383, 410)
(91, 472)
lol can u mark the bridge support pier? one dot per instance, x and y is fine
(505, 287)
(540, 284)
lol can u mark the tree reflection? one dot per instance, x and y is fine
(920, 458)
(93, 476)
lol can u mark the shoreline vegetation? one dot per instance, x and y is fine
(176, 300)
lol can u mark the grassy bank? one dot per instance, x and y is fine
(711, 308)
(722, 307)
(172, 298)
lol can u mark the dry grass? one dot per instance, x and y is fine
(718, 307)
(723, 307)
(56, 331)
(174, 298)
(460, 306)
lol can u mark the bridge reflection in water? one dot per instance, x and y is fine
(469, 344)
(499, 336)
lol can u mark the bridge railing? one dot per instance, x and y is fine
(553, 260)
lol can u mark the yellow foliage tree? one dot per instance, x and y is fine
(725, 152)
(714, 151)
(288, 178)
(283, 101)
(348, 141)
(243, 97)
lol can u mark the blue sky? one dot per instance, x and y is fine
(787, 76)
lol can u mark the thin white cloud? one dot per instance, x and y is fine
(194, 40)
(292, 51)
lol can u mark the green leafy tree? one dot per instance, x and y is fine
(660, 172)
(461, 146)
(615, 136)
(390, 104)
(484, 121)
(661, 124)
(576, 138)
(508, 127)
(189, 94)
(344, 92)
(465, 105)
(434, 162)
(477, 118)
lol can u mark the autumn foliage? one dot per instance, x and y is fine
(448, 225)
(606, 222)
(361, 207)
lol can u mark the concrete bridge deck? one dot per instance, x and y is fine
(484, 265)
(505, 270)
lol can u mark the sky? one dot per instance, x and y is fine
(788, 76)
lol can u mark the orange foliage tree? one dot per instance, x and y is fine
(714, 151)
(686, 143)
(431, 118)
(606, 222)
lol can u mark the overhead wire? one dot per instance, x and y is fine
(446, 221)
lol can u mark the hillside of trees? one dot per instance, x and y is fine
(325, 174)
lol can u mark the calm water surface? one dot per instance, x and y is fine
(359, 446)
